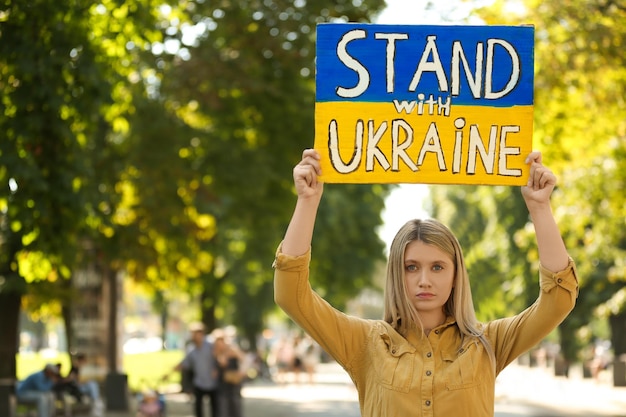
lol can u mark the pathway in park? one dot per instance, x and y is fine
(521, 391)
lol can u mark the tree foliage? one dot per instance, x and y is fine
(62, 93)
(244, 88)
(486, 221)
(157, 140)
(580, 126)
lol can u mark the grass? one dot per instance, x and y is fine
(144, 370)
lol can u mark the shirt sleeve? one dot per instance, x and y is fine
(41, 383)
(515, 335)
(339, 334)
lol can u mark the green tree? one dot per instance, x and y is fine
(52, 93)
(173, 169)
(245, 87)
(486, 220)
(595, 216)
(63, 73)
(580, 84)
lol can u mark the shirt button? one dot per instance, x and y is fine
(436, 331)
(559, 280)
(428, 373)
(429, 354)
(428, 402)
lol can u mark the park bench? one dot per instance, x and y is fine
(67, 406)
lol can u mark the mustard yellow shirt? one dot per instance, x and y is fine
(438, 375)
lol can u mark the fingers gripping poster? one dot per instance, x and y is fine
(424, 104)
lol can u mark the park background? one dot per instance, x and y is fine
(146, 160)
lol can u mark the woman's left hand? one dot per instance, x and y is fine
(541, 181)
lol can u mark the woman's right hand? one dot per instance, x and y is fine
(309, 188)
(305, 175)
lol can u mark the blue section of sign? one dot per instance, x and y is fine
(367, 70)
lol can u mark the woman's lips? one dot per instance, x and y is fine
(425, 295)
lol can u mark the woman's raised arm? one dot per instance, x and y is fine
(299, 233)
(541, 181)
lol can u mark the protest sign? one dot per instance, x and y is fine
(424, 104)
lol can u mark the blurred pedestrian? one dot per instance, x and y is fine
(37, 389)
(230, 360)
(200, 361)
(600, 359)
(283, 358)
(74, 384)
(297, 365)
(429, 355)
(310, 354)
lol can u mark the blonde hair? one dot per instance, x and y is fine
(399, 311)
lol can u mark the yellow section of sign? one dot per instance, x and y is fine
(426, 141)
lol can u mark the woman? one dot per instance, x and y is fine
(429, 356)
(89, 388)
(230, 365)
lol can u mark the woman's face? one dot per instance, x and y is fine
(428, 277)
(219, 345)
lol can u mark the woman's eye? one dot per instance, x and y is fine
(437, 267)
(411, 268)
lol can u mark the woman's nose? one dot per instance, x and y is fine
(422, 279)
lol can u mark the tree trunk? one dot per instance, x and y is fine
(116, 382)
(618, 333)
(208, 313)
(164, 318)
(159, 304)
(12, 288)
(250, 335)
(618, 342)
(10, 302)
(66, 314)
(9, 311)
(569, 348)
(112, 350)
(208, 300)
